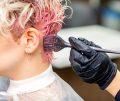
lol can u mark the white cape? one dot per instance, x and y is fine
(47, 86)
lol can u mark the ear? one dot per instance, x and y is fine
(31, 39)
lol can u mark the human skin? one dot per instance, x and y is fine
(23, 58)
(114, 86)
(23, 24)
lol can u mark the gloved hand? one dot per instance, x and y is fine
(90, 65)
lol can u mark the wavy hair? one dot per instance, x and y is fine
(45, 15)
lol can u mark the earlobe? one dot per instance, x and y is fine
(32, 41)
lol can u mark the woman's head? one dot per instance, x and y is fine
(23, 23)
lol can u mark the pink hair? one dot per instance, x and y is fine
(48, 20)
(44, 15)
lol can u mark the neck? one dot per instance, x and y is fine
(29, 69)
(29, 72)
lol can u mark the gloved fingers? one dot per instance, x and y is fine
(89, 43)
(78, 57)
(89, 76)
(89, 79)
(88, 72)
(82, 47)
(75, 66)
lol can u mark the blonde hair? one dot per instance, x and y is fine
(44, 15)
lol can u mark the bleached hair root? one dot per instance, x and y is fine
(44, 15)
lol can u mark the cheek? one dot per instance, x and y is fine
(10, 57)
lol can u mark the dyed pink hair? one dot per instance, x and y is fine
(46, 19)
(44, 15)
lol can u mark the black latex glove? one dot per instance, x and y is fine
(90, 65)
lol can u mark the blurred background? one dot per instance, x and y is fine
(90, 12)
(105, 13)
